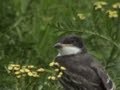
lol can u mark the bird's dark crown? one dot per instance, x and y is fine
(72, 39)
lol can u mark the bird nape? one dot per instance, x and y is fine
(82, 72)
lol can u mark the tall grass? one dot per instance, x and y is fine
(29, 29)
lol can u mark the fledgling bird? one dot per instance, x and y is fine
(82, 72)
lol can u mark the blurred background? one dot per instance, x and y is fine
(30, 28)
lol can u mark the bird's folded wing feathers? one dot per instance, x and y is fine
(107, 82)
(78, 81)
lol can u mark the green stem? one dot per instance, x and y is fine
(49, 71)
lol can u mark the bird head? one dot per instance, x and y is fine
(69, 45)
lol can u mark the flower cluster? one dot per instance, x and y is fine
(116, 5)
(112, 14)
(32, 71)
(26, 70)
(58, 69)
(99, 5)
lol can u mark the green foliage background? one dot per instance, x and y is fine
(30, 28)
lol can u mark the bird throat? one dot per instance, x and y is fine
(68, 50)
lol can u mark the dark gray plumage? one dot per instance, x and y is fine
(83, 72)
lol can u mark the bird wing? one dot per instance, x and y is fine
(107, 82)
(74, 81)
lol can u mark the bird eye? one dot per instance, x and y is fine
(73, 41)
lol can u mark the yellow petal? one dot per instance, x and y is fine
(56, 63)
(51, 64)
(26, 70)
(49, 77)
(17, 72)
(10, 68)
(18, 76)
(30, 74)
(62, 68)
(56, 70)
(53, 78)
(41, 70)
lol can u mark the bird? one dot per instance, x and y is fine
(83, 71)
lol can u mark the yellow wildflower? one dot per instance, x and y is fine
(56, 63)
(18, 76)
(34, 74)
(61, 73)
(41, 70)
(53, 78)
(10, 67)
(56, 70)
(49, 77)
(30, 74)
(22, 70)
(51, 64)
(17, 72)
(81, 16)
(13, 66)
(16, 68)
(26, 70)
(30, 66)
(59, 76)
(112, 14)
(99, 5)
(62, 68)
(116, 5)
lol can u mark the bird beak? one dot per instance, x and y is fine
(58, 45)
